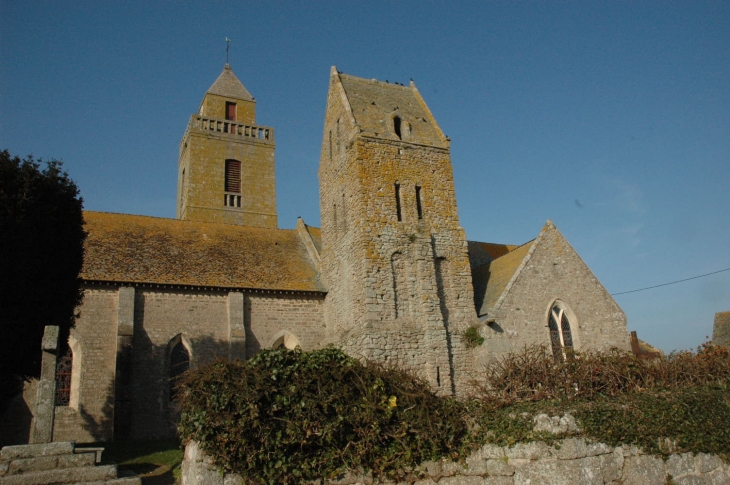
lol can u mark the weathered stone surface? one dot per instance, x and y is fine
(500, 467)
(584, 471)
(470, 480)
(706, 463)
(37, 464)
(555, 424)
(720, 477)
(66, 475)
(530, 451)
(678, 465)
(42, 449)
(76, 460)
(644, 470)
(691, 480)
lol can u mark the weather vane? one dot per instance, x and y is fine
(228, 43)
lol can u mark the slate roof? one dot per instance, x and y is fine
(229, 86)
(373, 103)
(142, 249)
(491, 279)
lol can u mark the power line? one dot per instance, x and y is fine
(670, 283)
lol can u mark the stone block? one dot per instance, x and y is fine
(475, 466)
(498, 481)
(691, 480)
(644, 470)
(67, 475)
(719, 477)
(41, 449)
(529, 451)
(500, 467)
(36, 464)
(706, 463)
(76, 460)
(461, 480)
(4, 467)
(560, 472)
(491, 451)
(678, 465)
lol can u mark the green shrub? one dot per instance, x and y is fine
(472, 337)
(289, 416)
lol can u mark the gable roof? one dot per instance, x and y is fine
(374, 103)
(491, 279)
(481, 253)
(141, 249)
(228, 85)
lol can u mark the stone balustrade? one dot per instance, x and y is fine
(206, 124)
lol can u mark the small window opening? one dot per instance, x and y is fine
(419, 207)
(438, 376)
(330, 145)
(397, 202)
(179, 364)
(396, 126)
(230, 111)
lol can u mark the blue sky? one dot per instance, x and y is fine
(612, 119)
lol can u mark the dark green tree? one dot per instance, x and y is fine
(41, 252)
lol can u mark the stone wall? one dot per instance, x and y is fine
(571, 461)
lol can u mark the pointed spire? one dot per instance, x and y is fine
(229, 86)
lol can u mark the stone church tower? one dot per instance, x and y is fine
(394, 256)
(226, 165)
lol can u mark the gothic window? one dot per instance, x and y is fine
(230, 111)
(179, 364)
(561, 339)
(232, 197)
(64, 367)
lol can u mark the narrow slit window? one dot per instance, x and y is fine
(419, 206)
(396, 126)
(397, 202)
(179, 364)
(230, 111)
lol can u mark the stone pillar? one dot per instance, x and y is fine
(45, 403)
(123, 377)
(721, 329)
(236, 329)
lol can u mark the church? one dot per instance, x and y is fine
(389, 276)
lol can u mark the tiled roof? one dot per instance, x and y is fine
(229, 86)
(374, 103)
(481, 253)
(490, 280)
(141, 249)
(316, 235)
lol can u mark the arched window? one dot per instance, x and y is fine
(64, 369)
(286, 340)
(179, 364)
(561, 338)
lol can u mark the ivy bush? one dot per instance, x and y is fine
(291, 416)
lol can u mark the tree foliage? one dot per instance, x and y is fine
(41, 252)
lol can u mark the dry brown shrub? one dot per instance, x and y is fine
(534, 374)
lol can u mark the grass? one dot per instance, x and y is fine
(157, 461)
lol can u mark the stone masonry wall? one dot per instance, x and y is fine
(572, 461)
(554, 272)
(89, 417)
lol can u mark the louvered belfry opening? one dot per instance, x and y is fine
(232, 187)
